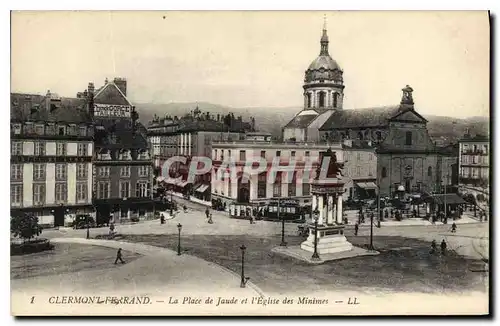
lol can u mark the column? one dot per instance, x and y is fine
(329, 219)
(305, 100)
(314, 203)
(321, 210)
(182, 144)
(189, 144)
(339, 209)
(329, 99)
(314, 99)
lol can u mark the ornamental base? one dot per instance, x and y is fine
(331, 240)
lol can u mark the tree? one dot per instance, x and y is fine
(25, 226)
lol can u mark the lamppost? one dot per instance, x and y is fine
(88, 226)
(283, 243)
(244, 279)
(315, 255)
(179, 227)
(371, 233)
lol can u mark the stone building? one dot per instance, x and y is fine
(190, 136)
(122, 174)
(51, 157)
(474, 163)
(360, 169)
(288, 184)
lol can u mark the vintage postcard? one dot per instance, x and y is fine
(261, 163)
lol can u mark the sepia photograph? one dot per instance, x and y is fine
(250, 163)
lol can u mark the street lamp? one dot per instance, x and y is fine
(371, 233)
(179, 227)
(244, 279)
(88, 226)
(315, 255)
(283, 243)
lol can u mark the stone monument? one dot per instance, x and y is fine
(326, 234)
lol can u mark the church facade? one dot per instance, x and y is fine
(406, 154)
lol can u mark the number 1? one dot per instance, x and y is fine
(32, 300)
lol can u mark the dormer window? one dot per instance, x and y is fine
(39, 129)
(28, 128)
(124, 155)
(83, 131)
(143, 155)
(61, 130)
(72, 130)
(16, 128)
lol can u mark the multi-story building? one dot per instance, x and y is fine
(122, 174)
(51, 157)
(474, 163)
(258, 190)
(191, 136)
(360, 169)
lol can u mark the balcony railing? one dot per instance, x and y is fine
(474, 181)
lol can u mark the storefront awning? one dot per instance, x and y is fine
(202, 188)
(367, 185)
(182, 184)
(450, 199)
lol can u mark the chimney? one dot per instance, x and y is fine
(106, 81)
(91, 88)
(121, 83)
(218, 117)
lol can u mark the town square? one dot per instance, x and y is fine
(136, 194)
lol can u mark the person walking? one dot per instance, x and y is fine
(443, 247)
(433, 247)
(356, 229)
(210, 221)
(453, 228)
(119, 256)
(207, 212)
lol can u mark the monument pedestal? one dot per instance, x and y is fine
(331, 239)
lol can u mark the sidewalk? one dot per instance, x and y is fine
(193, 199)
(160, 272)
(466, 219)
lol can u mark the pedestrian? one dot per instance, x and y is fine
(386, 214)
(433, 246)
(210, 219)
(443, 247)
(453, 228)
(185, 208)
(119, 256)
(111, 228)
(356, 229)
(207, 212)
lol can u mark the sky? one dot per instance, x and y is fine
(257, 59)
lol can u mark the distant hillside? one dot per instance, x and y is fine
(442, 129)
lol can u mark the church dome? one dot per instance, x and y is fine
(323, 67)
(324, 61)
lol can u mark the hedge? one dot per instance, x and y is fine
(30, 247)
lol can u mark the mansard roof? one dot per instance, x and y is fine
(48, 108)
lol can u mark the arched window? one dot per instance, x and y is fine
(429, 171)
(360, 135)
(322, 96)
(308, 100)
(384, 172)
(335, 99)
